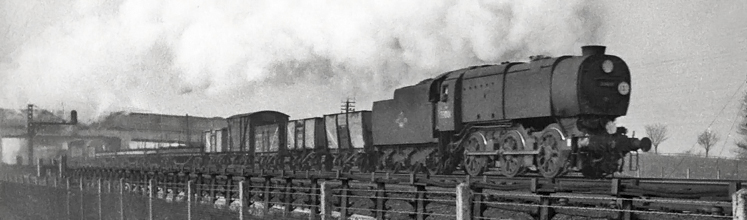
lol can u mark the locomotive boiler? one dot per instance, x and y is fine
(551, 115)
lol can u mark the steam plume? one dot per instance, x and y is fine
(226, 57)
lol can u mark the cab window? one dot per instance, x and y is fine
(445, 93)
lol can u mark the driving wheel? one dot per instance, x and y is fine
(512, 165)
(475, 165)
(434, 163)
(552, 155)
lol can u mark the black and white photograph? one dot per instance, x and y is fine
(373, 109)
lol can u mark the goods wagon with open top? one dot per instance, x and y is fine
(350, 141)
(259, 138)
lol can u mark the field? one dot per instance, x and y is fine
(677, 166)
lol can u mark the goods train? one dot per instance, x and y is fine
(552, 115)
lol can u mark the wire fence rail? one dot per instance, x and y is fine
(214, 197)
(84, 198)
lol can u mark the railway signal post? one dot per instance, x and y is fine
(31, 129)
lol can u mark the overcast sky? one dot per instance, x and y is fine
(688, 60)
(218, 58)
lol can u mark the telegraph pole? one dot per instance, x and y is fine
(347, 107)
(31, 132)
(189, 138)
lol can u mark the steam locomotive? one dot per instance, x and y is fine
(552, 115)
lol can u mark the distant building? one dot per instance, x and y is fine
(143, 130)
(118, 131)
(48, 148)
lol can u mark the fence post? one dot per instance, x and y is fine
(477, 203)
(67, 197)
(268, 196)
(197, 187)
(82, 211)
(151, 188)
(739, 205)
(326, 201)
(462, 202)
(545, 212)
(242, 205)
(344, 198)
(39, 167)
(288, 197)
(52, 196)
(101, 214)
(121, 199)
(314, 198)
(60, 166)
(2, 189)
(420, 203)
(380, 201)
(718, 174)
(688, 173)
(189, 200)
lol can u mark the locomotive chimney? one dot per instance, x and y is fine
(592, 50)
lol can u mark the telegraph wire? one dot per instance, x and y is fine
(711, 124)
(723, 146)
(696, 59)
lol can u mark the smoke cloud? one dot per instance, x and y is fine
(217, 58)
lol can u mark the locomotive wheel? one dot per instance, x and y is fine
(345, 168)
(366, 163)
(327, 162)
(303, 163)
(387, 161)
(289, 162)
(272, 162)
(551, 160)
(349, 162)
(475, 165)
(363, 165)
(310, 162)
(280, 163)
(434, 163)
(512, 165)
(397, 168)
(337, 159)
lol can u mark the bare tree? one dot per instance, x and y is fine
(707, 140)
(657, 133)
(741, 150)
